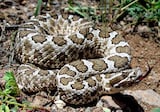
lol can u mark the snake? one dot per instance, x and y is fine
(74, 56)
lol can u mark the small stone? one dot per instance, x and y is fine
(59, 103)
(109, 102)
(38, 101)
(98, 109)
(147, 96)
(143, 29)
(88, 109)
(122, 23)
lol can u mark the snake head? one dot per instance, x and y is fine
(130, 77)
(134, 76)
(122, 80)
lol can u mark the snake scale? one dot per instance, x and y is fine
(75, 56)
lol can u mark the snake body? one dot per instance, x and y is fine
(75, 56)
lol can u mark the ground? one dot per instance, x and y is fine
(144, 42)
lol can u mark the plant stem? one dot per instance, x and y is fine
(129, 5)
(75, 10)
(15, 103)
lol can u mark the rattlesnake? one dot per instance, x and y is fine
(75, 56)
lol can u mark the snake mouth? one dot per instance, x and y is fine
(125, 84)
(130, 79)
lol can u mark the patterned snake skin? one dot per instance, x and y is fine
(74, 56)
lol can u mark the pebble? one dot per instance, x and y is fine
(147, 96)
(142, 29)
(107, 101)
(59, 103)
(98, 109)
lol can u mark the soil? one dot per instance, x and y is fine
(142, 39)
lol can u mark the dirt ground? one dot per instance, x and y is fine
(145, 50)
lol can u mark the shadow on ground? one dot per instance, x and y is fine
(127, 103)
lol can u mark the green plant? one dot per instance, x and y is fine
(11, 100)
(140, 10)
(38, 8)
(106, 110)
(8, 100)
(143, 10)
(84, 11)
(11, 86)
(156, 110)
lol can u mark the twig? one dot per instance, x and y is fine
(129, 5)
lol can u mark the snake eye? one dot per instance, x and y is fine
(132, 77)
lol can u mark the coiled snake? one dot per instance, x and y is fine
(74, 56)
